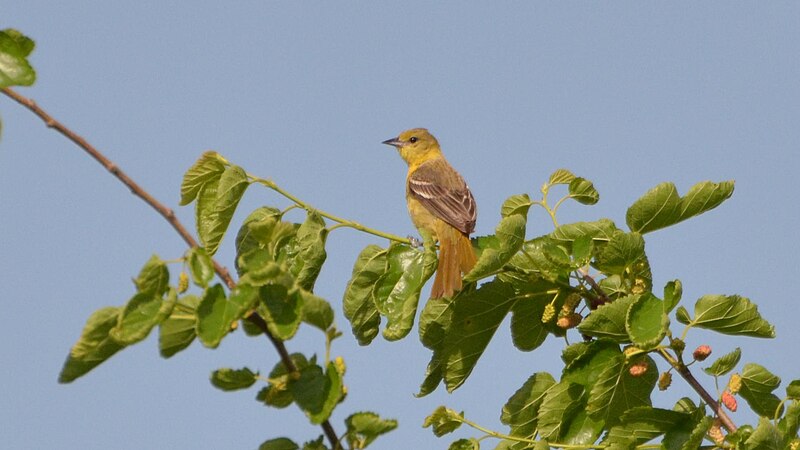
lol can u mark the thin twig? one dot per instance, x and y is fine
(169, 215)
(602, 298)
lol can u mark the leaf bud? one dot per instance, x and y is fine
(677, 345)
(664, 381)
(701, 353)
(729, 401)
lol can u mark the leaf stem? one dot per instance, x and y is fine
(341, 222)
(497, 435)
(169, 216)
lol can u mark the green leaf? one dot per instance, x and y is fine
(316, 311)
(661, 206)
(642, 424)
(359, 306)
(205, 218)
(200, 266)
(672, 295)
(435, 320)
(617, 391)
(561, 176)
(601, 230)
(476, 317)
(521, 410)
(215, 215)
(647, 322)
(277, 393)
(207, 168)
(790, 422)
(765, 437)
(142, 312)
(724, 364)
(93, 347)
(687, 435)
(281, 443)
(396, 292)
(316, 444)
(583, 191)
(584, 361)
(228, 379)
(740, 436)
(443, 420)
(560, 405)
(306, 265)
(516, 204)
(178, 331)
(613, 287)
(281, 309)
(608, 321)
(364, 427)
(510, 234)
(624, 255)
(527, 330)
(15, 70)
(153, 278)
(582, 250)
(262, 229)
(683, 315)
(216, 314)
(536, 260)
(730, 314)
(465, 444)
(757, 386)
(317, 392)
(793, 390)
(258, 269)
(582, 430)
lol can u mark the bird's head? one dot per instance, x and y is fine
(416, 145)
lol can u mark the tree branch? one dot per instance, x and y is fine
(170, 217)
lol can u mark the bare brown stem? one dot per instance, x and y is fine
(170, 217)
(687, 375)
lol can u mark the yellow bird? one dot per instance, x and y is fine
(439, 202)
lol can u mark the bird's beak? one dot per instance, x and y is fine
(394, 142)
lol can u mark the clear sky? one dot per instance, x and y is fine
(627, 94)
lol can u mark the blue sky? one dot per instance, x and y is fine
(627, 94)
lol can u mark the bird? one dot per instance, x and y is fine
(439, 203)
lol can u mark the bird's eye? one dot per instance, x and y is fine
(413, 139)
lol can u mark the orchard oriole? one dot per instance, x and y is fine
(440, 203)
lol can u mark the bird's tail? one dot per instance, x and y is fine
(455, 257)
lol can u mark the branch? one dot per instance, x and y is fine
(687, 375)
(170, 217)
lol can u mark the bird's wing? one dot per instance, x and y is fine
(444, 193)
